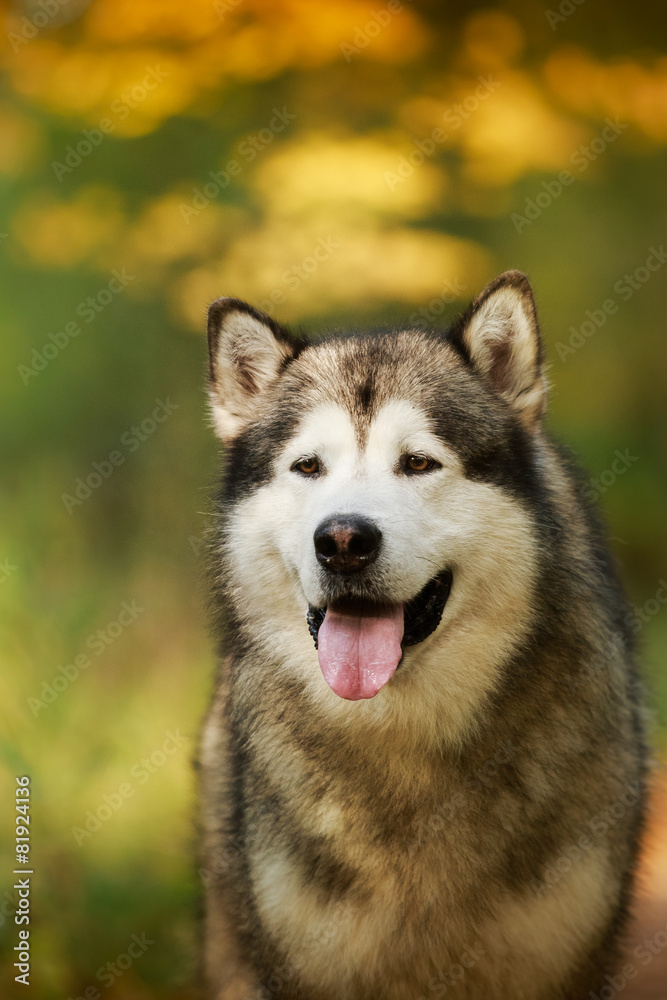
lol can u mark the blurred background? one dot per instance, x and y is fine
(349, 162)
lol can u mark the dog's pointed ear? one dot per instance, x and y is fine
(247, 350)
(501, 336)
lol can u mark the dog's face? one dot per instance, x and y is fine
(383, 486)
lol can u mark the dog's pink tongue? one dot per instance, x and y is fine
(358, 654)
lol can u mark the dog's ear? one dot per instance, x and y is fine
(501, 336)
(247, 350)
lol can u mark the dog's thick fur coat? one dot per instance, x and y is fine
(473, 827)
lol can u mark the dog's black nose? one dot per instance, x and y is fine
(345, 544)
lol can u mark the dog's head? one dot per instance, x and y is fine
(381, 491)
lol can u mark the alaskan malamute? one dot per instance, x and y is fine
(423, 769)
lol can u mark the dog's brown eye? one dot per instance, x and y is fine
(418, 463)
(306, 466)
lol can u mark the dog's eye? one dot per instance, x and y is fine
(307, 466)
(419, 463)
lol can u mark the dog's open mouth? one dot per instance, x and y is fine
(360, 643)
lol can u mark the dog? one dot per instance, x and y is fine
(423, 770)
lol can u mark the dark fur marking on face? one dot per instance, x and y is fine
(250, 457)
(365, 394)
(511, 465)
